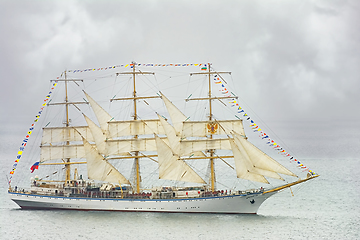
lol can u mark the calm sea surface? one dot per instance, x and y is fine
(325, 208)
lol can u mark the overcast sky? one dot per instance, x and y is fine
(289, 59)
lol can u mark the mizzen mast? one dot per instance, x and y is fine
(210, 98)
(67, 161)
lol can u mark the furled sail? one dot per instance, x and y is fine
(99, 168)
(177, 117)
(64, 134)
(102, 116)
(134, 127)
(205, 128)
(171, 168)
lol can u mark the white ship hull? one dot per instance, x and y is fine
(224, 204)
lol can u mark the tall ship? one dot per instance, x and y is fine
(89, 160)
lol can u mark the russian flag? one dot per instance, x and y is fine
(35, 166)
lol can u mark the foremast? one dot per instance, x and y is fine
(210, 98)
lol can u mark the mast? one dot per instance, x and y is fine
(212, 166)
(67, 161)
(135, 98)
(137, 165)
(210, 98)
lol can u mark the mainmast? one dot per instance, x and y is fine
(135, 98)
(210, 98)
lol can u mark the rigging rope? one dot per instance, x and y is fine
(24, 142)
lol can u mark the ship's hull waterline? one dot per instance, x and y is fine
(223, 204)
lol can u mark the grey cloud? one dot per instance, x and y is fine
(289, 59)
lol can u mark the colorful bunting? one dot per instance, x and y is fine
(256, 128)
(24, 142)
(202, 65)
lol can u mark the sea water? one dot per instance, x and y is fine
(324, 208)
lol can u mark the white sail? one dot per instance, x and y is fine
(259, 159)
(244, 166)
(174, 140)
(205, 128)
(243, 161)
(190, 146)
(171, 168)
(100, 169)
(102, 116)
(177, 117)
(52, 152)
(98, 135)
(64, 134)
(118, 147)
(134, 127)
